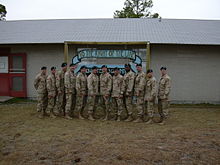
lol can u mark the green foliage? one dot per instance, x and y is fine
(3, 12)
(136, 9)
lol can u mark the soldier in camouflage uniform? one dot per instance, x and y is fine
(93, 91)
(139, 87)
(70, 90)
(40, 86)
(117, 96)
(127, 90)
(150, 95)
(163, 94)
(52, 91)
(61, 97)
(81, 90)
(105, 90)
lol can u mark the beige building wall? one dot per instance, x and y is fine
(195, 70)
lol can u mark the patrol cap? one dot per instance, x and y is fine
(71, 64)
(94, 67)
(52, 68)
(163, 68)
(139, 65)
(83, 67)
(149, 71)
(63, 64)
(116, 68)
(104, 66)
(43, 68)
(128, 65)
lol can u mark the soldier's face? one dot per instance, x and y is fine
(83, 70)
(44, 71)
(150, 75)
(94, 71)
(163, 72)
(53, 71)
(64, 68)
(104, 69)
(116, 72)
(127, 69)
(72, 68)
(139, 68)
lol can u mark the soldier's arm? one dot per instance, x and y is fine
(90, 85)
(154, 88)
(78, 83)
(36, 81)
(130, 83)
(49, 84)
(142, 83)
(58, 82)
(121, 85)
(67, 82)
(109, 84)
(167, 86)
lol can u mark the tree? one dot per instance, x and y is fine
(3, 12)
(136, 9)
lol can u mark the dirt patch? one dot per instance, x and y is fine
(190, 136)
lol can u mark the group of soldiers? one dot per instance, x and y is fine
(64, 92)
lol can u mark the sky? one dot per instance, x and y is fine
(75, 9)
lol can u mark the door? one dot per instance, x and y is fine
(17, 75)
(4, 80)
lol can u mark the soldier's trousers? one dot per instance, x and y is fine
(149, 107)
(61, 102)
(80, 103)
(163, 108)
(70, 103)
(105, 102)
(51, 104)
(42, 102)
(118, 105)
(128, 104)
(140, 106)
(91, 103)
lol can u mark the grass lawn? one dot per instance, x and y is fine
(190, 136)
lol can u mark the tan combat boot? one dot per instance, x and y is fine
(52, 115)
(68, 117)
(91, 117)
(130, 118)
(138, 120)
(80, 116)
(150, 121)
(106, 116)
(119, 118)
(162, 122)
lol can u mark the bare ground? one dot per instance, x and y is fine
(190, 136)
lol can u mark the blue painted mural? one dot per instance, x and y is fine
(97, 53)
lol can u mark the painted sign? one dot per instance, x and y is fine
(97, 53)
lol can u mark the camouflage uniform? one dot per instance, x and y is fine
(127, 90)
(70, 90)
(150, 95)
(105, 91)
(61, 97)
(139, 92)
(81, 90)
(93, 91)
(117, 95)
(163, 95)
(52, 92)
(40, 86)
